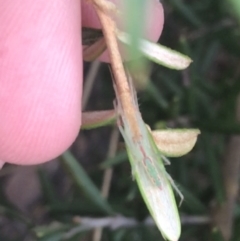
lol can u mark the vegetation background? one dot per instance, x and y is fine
(61, 200)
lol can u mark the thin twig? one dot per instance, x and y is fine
(224, 215)
(89, 82)
(111, 153)
(107, 175)
(105, 6)
(116, 222)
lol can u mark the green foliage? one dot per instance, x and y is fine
(203, 96)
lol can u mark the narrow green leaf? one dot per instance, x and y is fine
(47, 187)
(186, 12)
(191, 201)
(83, 182)
(51, 229)
(14, 214)
(213, 168)
(157, 95)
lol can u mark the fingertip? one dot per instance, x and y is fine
(41, 79)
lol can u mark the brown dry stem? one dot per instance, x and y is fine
(105, 6)
(224, 215)
(122, 86)
(107, 178)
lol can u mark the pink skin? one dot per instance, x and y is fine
(41, 75)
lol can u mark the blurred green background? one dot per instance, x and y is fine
(61, 200)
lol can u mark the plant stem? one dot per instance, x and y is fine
(122, 86)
